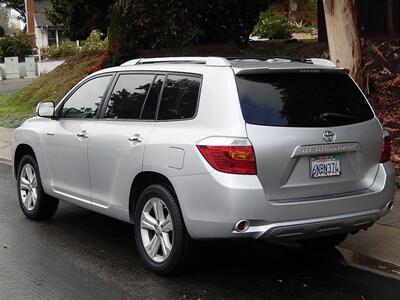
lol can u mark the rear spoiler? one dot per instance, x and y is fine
(266, 70)
(312, 65)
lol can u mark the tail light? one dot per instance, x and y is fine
(229, 155)
(386, 149)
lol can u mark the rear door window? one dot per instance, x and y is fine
(128, 96)
(179, 98)
(302, 100)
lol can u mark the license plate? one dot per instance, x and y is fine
(325, 166)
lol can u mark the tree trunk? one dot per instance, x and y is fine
(322, 35)
(292, 9)
(390, 17)
(343, 37)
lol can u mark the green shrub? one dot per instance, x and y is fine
(17, 44)
(94, 44)
(273, 26)
(67, 48)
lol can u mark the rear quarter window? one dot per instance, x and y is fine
(179, 99)
(302, 100)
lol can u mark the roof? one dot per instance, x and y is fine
(40, 15)
(240, 65)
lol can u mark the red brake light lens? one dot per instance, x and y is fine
(230, 159)
(386, 149)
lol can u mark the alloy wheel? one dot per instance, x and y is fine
(28, 187)
(157, 230)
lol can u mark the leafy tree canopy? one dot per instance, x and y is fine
(80, 17)
(17, 5)
(134, 24)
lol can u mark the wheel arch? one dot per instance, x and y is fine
(141, 182)
(20, 151)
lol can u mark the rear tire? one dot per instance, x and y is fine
(35, 204)
(324, 242)
(160, 232)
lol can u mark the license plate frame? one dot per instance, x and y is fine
(330, 166)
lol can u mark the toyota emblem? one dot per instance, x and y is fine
(329, 136)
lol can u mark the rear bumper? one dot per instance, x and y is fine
(213, 203)
(316, 227)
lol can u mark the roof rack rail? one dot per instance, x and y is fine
(208, 61)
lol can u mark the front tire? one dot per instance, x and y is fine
(35, 204)
(160, 232)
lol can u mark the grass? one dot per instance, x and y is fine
(17, 107)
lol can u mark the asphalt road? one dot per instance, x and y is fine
(83, 255)
(13, 85)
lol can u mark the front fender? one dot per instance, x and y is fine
(31, 134)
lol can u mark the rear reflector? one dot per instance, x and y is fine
(235, 159)
(386, 149)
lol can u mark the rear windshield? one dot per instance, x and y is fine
(301, 100)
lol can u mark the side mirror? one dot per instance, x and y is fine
(45, 109)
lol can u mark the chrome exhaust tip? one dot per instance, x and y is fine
(390, 205)
(242, 226)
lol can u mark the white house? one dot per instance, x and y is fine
(42, 32)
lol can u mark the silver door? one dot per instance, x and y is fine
(117, 146)
(67, 140)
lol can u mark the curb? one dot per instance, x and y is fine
(5, 161)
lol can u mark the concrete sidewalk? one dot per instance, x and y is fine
(6, 135)
(13, 85)
(381, 241)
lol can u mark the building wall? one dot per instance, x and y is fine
(41, 68)
(42, 40)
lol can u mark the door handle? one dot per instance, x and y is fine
(82, 134)
(136, 138)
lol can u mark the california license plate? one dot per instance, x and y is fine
(325, 166)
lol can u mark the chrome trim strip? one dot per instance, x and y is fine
(323, 197)
(76, 198)
(306, 150)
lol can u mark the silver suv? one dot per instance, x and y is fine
(196, 148)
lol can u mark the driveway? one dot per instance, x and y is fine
(82, 255)
(13, 85)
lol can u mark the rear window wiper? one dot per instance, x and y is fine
(330, 115)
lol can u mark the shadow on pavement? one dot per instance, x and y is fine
(225, 269)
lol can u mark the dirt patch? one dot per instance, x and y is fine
(382, 58)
